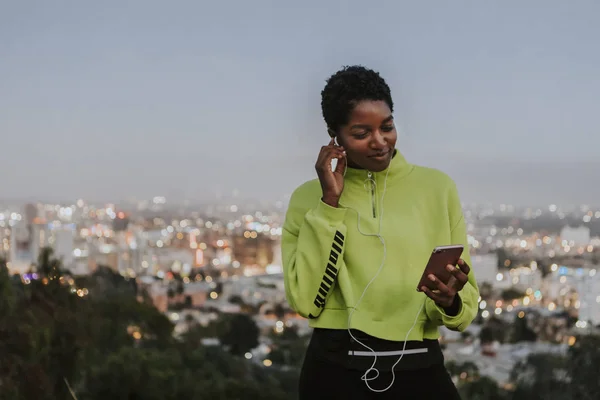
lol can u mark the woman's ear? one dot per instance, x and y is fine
(333, 135)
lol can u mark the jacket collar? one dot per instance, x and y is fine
(398, 168)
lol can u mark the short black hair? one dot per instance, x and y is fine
(348, 87)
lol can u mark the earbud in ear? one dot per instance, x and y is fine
(333, 135)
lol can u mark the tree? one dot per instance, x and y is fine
(238, 332)
(106, 283)
(502, 256)
(7, 292)
(544, 267)
(288, 347)
(279, 311)
(486, 335)
(467, 370)
(521, 332)
(560, 376)
(48, 266)
(180, 287)
(582, 363)
(8, 361)
(42, 336)
(471, 385)
(486, 290)
(494, 330)
(236, 299)
(107, 344)
(201, 373)
(540, 377)
(484, 388)
(511, 294)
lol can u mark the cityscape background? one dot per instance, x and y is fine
(150, 150)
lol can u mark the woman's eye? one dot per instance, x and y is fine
(388, 128)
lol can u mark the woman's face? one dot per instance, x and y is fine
(369, 137)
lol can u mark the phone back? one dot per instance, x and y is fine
(439, 259)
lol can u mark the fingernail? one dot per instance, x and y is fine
(432, 278)
(450, 268)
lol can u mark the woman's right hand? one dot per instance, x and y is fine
(332, 182)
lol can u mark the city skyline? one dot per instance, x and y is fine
(138, 101)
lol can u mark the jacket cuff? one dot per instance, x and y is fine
(335, 215)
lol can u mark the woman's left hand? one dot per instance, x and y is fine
(445, 294)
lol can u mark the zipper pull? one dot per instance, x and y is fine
(373, 202)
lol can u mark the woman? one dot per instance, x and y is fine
(355, 244)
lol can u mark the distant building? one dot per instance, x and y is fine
(578, 236)
(26, 241)
(63, 245)
(31, 213)
(254, 251)
(485, 267)
(194, 293)
(120, 223)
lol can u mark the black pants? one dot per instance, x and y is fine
(321, 378)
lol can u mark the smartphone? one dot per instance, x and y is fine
(440, 257)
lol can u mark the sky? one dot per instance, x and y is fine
(186, 99)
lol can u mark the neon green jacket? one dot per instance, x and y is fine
(327, 262)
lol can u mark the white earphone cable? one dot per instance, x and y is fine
(365, 377)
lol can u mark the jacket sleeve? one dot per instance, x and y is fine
(469, 295)
(312, 247)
